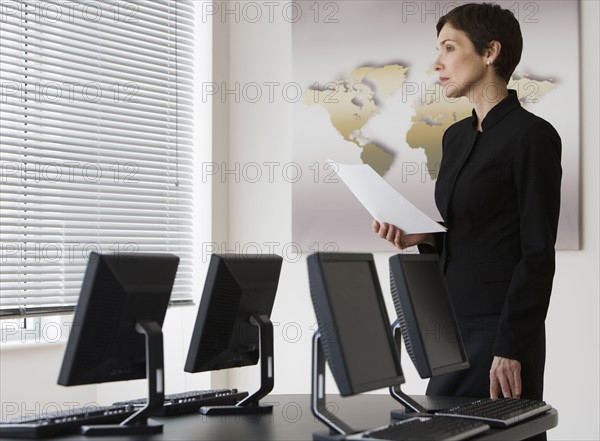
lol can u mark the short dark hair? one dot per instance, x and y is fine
(483, 23)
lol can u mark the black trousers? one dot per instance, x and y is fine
(478, 334)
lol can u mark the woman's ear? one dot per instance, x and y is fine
(492, 52)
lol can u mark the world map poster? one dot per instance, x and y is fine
(371, 96)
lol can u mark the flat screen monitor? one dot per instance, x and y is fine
(426, 316)
(233, 327)
(118, 291)
(117, 331)
(237, 287)
(353, 322)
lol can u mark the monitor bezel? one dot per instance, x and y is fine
(329, 334)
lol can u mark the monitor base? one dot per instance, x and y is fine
(325, 435)
(117, 429)
(431, 404)
(236, 410)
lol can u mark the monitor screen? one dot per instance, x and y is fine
(117, 292)
(353, 322)
(426, 316)
(237, 287)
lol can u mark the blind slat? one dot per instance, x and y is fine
(142, 146)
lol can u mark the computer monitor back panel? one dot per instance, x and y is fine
(427, 319)
(353, 322)
(117, 292)
(237, 286)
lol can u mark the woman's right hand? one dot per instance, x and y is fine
(400, 240)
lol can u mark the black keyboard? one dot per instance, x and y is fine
(434, 428)
(500, 412)
(65, 422)
(190, 402)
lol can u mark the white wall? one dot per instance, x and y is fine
(260, 213)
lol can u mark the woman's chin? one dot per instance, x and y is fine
(451, 90)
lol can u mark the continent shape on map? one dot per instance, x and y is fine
(352, 102)
(434, 114)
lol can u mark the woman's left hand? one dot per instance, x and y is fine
(505, 377)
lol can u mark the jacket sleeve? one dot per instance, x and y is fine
(438, 246)
(537, 177)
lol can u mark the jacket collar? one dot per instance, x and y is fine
(497, 112)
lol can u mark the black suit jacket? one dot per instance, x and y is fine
(498, 192)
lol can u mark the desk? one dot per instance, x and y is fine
(293, 420)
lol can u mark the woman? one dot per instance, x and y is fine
(498, 191)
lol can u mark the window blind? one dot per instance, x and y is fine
(95, 142)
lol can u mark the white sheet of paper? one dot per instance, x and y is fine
(383, 202)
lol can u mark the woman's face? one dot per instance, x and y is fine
(458, 64)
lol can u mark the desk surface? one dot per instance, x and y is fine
(292, 420)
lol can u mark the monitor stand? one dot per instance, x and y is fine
(410, 405)
(138, 423)
(251, 404)
(426, 404)
(338, 429)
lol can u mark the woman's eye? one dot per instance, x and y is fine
(449, 48)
